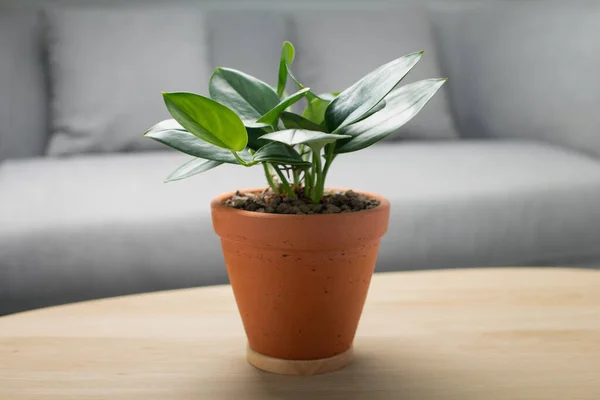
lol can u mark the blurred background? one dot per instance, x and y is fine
(501, 168)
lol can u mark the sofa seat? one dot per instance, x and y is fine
(96, 226)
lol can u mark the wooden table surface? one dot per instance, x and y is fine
(457, 334)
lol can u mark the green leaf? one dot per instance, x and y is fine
(315, 110)
(279, 153)
(191, 168)
(328, 97)
(293, 137)
(248, 96)
(354, 102)
(271, 117)
(185, 142)
(295, 121)
(208, 120)
(287, 58)
(401, 106)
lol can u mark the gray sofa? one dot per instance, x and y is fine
(501, 168)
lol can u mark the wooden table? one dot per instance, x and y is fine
(457, 334)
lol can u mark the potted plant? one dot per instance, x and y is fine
(299, 256)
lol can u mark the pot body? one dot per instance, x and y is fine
(300, 281)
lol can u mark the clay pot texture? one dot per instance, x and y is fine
(300, 281)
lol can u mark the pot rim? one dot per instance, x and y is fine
(217, 203)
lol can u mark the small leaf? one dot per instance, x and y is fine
(293, 137)
(279, 153)
(248, 96)
(354, 102)
(401, 106)
(185, 142)
(315, 110)
(271, 117)
(208, 120)
(329, 97)
(287, 58)
(295, 121)
(191, 168)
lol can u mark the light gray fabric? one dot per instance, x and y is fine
(23, 100)
(523, 69)
(249, 41)
(96, 226)
(335, 49)
(109, 66)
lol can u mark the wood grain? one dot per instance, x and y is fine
(456, 334)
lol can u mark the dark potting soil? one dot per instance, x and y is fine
(331, 203)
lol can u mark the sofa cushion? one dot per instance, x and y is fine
(523, 69)
(96, 226)
(108, 67)
(334, 49)
(23, 100)
(247, 40)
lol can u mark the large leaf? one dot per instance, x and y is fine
(401, 106)
(380, 106)
(208, 120)
(295, 121)
(287, 58)
(248, 96)
(185, 142)
(271, 117)
(191, 168)
(279, 153)
(293, 137)
(354, 102)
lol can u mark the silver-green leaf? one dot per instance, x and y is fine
(401, 106)
(248, 96)
(191, 168)
(279, 153)
(185, 142)
(295, 121)
(293, 137)
(356, 101)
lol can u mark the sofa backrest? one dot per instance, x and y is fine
(516, 69)
(523, 69)
(23, 95)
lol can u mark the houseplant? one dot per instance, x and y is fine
(299, 257)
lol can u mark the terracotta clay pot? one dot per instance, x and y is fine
(300, 281)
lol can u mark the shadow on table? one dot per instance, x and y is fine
(387, 373)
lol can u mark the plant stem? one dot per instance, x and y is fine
(329, 157)
(296, 173)
(241, 160)
(270, 178)
(318, 187)
(285, 183)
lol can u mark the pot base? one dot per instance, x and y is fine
(299, 367)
